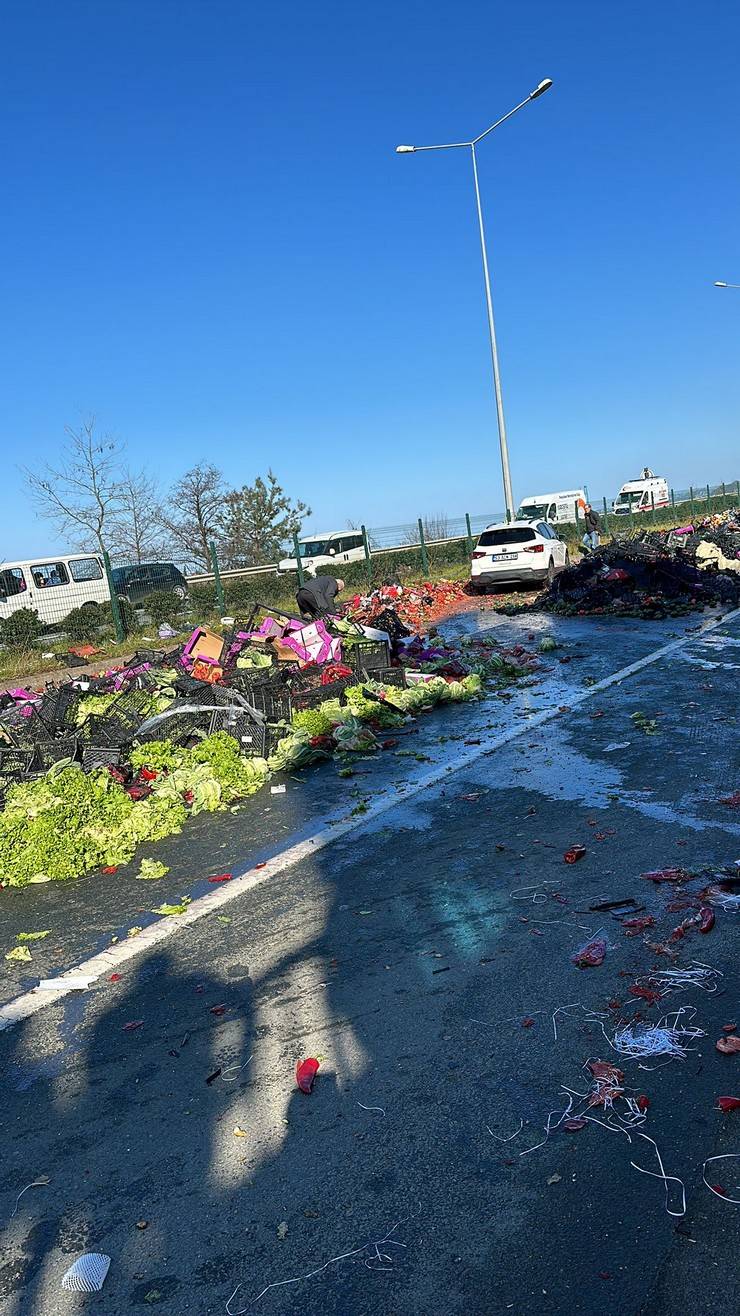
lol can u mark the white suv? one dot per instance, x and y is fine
(518, 551)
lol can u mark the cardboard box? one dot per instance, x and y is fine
(204, 644)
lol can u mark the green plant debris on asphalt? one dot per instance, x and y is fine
(150, 870)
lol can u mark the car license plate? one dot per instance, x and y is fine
(504, 557)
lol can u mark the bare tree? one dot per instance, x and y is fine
(82, 495)
(195, 513)
(436, 526)
(137, 531)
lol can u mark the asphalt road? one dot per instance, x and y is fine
(406, 956)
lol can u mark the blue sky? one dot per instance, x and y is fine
(210, 243)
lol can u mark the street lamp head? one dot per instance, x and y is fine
(540, 89)
(718, 283)
(404, 150)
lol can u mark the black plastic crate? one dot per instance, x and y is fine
(132, 707)
(274, 701)
(388, 676)
(58, 708)
(366, 655)
(181, 722)
(27, 727)
(16, 762)
(100, 756)
(246, 729)
(318, 694)
(49, 752)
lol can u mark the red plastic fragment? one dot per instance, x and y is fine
(642, 1102)
(115, 977)
(218, 1009)
(728, 1046)
(110, 868)
(706, 919)
(666, 875)
(262, 865)
(527, 1023)
(728, 1103)
(591, 955)
(645, 993)
(637, 925)
(575, 853)
(605, 1274)
(305, 1073)
(729, 1028)
(133, 1025)
(220, 877)
(148, 774)
(574, 1125)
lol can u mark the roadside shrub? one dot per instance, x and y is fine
(243, 592)
(202, 601)
(21, 629)
(81, 625)
(163, 606)
(128, 615)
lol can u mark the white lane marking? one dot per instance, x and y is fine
(109, 960)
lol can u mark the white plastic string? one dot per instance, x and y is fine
(511, 1136)
(230, 1068)
(41, 1182)
(726, 1156)
(376, 1256)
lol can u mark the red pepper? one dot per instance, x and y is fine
(706, 919)
(305, 1073)
(575, 853)
(591, 955)
(148, 774)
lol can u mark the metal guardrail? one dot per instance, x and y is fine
(205, 578)
(407, 536)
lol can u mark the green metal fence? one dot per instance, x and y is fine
(83, 600)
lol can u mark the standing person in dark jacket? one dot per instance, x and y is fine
(593, 526)
(316, 596)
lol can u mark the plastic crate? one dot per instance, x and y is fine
(388, 676)
(59, 705)
(49, 752)
(181, 722)
(16, 762)
(99, 756)
(366, 655)
(319, 693)
(246, 729)
(273, 701)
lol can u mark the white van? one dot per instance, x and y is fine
(638, 495)
(555, 508)
(52, 586)
(326, 551)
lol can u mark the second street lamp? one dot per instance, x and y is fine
(471, 145)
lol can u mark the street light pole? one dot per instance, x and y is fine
(503, 445)
(720, 283)
(452, 146)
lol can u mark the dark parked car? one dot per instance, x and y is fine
(140, 580)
